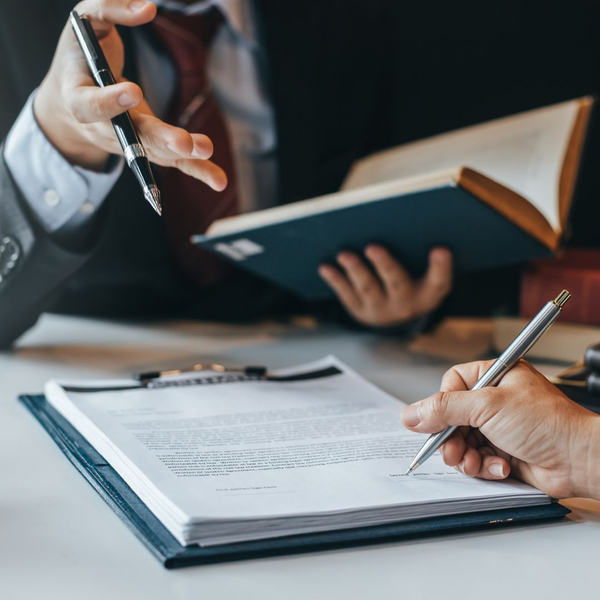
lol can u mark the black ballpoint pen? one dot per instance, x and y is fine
(134, 152)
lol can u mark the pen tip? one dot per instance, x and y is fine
(413, 465)
(152, 195)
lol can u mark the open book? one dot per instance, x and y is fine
(495, 194)
(225, 458)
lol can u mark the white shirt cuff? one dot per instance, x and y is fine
(58, 193)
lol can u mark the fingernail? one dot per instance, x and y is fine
(410, 415)
(496, 469)
(126, 99)
(137, 5)
(440, 255)
(219, 185)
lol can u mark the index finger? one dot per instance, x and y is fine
(463, 377)
(397, 281)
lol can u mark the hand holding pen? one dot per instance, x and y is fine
(532, 332)
(135, 154)
(75, 114)
(524, 427)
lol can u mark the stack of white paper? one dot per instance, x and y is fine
(247, 460)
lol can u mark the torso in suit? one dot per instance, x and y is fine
(345, 78)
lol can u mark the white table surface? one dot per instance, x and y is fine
(59, 540)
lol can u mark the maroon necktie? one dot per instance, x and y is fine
(190, 206)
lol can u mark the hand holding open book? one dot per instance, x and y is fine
(385, 294)
(494, 194)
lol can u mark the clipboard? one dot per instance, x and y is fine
(172, 555)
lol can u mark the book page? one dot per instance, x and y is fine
(524, 152)
(237, 450)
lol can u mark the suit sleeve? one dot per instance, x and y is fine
(62, 196)
(34, 266)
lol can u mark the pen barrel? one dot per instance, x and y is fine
(104, 78)
(122, 124)
(142, 171)
(127, 136)
(434, 441)
(519, 347)
(530, 334)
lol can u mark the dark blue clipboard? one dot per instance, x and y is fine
(134, 513)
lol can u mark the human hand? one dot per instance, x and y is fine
(387, 295)
(75, 114)
(525, 427)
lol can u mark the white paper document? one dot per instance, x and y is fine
(221, 458)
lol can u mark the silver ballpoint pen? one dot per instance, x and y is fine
(506, 361)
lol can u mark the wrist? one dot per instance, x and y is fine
(65, 134)
(586, 464)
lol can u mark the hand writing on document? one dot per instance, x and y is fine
(524, 427)
(75, 115)
(384, 294)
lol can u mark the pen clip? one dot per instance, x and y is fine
(86, 36)
(254, 371)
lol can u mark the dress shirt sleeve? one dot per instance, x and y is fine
(61, 195)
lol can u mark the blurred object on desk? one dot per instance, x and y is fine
(578, 269)
(581, 381)
(458, 339)
(565, 342)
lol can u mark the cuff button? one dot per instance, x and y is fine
(51, 198)
(10, 253)
(87, 208)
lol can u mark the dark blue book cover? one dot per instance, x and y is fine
(289, 252)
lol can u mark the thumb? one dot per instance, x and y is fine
(445, 409)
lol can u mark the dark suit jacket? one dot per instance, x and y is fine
(346, 78)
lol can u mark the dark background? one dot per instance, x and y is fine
(349, 77)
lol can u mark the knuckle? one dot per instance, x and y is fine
(405, 314)
(485, 408)
(439, 404)
(397, 286)
(366, 289)
(334, 278)
(96, 107)
(376, 319)
(377, 303)
(369, 317)
(441, 287)
(101, 9)
(445, 288)
(451, 371)
(385, 265)
(75, 111)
